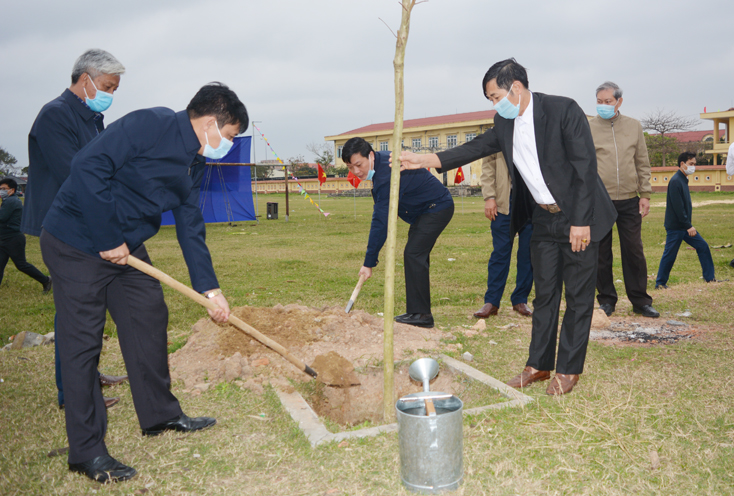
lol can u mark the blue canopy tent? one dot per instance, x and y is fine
(226, 190)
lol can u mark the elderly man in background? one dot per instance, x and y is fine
(496, 186)
(624, 168)
(63, 127)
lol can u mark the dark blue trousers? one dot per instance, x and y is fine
(672, 245)
(499, 262)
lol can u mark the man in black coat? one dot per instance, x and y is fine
(550, 153)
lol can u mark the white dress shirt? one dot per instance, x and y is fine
(730, 160)
(525, 156)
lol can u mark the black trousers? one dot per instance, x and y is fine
(13, 248)
(556, 265)
(422, 237)
(634, 265)
(85, 287)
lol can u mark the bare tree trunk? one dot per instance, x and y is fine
(392, 222)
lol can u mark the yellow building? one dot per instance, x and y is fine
(725, 119)
(706, 178)
(427, 135)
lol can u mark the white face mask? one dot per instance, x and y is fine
(690, 169)
(4, 193)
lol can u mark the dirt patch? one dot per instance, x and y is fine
(359, 404)
(644, 332)
(216, 353)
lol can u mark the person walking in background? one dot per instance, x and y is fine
(678, 224)
(496, 188)
(64, 126)
(624, 168)
(12, 241)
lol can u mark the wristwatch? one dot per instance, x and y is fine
(211, 294)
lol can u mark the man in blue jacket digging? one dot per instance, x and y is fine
(424, 203)
(148, 162)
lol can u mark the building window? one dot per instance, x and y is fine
(433, 142)
(383, 146)
(708, 178)
(695, 178)
(470, 136)
(416, 144)
(339, 151)
(654, 178)
(451, 141)
(665, 178)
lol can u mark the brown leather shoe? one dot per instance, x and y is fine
(522, 309)
(487, 310)
(562, 384)
(528, 376)
(111, 380)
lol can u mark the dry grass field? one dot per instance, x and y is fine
(643, 419)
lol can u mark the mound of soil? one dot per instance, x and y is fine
(216, 353)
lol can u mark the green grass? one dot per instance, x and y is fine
(672, 400)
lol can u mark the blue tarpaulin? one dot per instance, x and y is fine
(226, 190)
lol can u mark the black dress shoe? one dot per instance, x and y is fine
(608, 308)
(182, 423)
(416, 319)
(48, 286)
(646, 311)
(104, 469)
(661, 286)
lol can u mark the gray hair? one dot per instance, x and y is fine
(96, 62)
(608, 85)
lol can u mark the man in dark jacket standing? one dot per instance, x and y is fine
(148, 162)
(550, 154)
(12, 241)
(63, 127)
(678, 218)
(425, 204)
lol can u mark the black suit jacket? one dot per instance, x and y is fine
(567, 159)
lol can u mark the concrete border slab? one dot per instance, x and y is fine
(317, 433)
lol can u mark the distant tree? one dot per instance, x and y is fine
(299, 167)
(660, 145)
(7, 163)
(262, 172)
(324, 154)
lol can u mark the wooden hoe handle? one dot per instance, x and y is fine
(207, 303)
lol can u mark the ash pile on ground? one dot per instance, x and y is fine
(655, 332)
(216, 353)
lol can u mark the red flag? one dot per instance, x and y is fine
(459, 178)
(322, 174)
(353, 180)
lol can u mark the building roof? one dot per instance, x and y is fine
(693, 136)
(426, 121)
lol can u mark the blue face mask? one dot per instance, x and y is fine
(370, 174)
(219, 152)
(506, 109)
(101, 100)
(605, 111)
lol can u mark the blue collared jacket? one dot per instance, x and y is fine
(63, 127)
(420, 192)
(144, 164)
